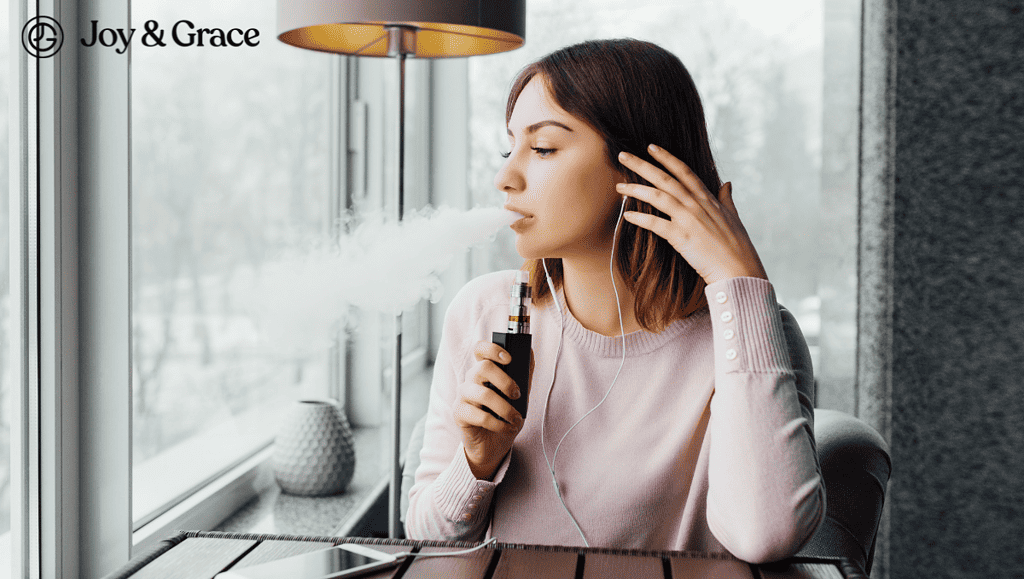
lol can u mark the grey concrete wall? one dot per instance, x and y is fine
(943, 267)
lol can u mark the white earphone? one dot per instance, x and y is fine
(622, 333)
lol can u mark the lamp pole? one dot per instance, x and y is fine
(401, 42)
(411, 27)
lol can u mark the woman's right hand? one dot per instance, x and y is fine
(485, 438)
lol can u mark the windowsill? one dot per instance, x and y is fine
(276, 512)
(160, 482)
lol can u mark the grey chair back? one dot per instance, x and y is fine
(856, 465)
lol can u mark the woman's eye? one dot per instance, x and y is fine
(540, 151)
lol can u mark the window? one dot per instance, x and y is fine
(243, 161)
(229, 169)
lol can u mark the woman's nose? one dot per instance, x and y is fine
(509, 178)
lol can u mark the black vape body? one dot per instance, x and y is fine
(518, 346)
(516, 341)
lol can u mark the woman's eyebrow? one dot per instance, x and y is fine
(533, 128)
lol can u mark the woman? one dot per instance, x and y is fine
(665, 404)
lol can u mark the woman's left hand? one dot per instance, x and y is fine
(706, 231)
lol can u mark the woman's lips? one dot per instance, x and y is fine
(519, 224)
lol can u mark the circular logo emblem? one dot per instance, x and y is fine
(42, 36)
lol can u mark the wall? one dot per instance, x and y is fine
(942, 247)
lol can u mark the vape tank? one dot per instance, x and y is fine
(517, 340)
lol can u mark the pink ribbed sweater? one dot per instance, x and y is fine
(703, 444)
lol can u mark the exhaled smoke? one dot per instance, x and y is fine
(302, 299)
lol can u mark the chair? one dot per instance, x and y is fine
(855, 464)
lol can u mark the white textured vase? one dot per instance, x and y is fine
(314, 453)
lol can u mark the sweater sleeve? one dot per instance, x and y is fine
(447, 502)
(766, 495)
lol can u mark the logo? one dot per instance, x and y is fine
(183, 33)
(42, 37)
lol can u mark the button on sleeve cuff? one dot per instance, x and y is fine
(748, 331)
(460, 496)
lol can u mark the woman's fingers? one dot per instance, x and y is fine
(489, 390)
(484, 412)
(706, 231)
(491, 401)
(487, 370)
(482, 406)
(469, 415)
(681, 170)
(657, 198)
(491, 351)
(487, 373)
(692, 183)
(657, 225)
(682, 184)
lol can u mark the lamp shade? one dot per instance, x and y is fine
(444, 28)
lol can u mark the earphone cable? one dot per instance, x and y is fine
(622, 333)
(487, 543)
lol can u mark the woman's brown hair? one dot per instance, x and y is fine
(633, 93)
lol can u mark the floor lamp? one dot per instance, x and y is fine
(400, 29)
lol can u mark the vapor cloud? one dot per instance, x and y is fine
(301, 299)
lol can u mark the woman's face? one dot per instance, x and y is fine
(559, 177)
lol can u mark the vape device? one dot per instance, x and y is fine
(517, 341)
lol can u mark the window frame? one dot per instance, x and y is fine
(71, 281)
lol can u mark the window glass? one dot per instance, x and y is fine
(758, 67)
(229, 172)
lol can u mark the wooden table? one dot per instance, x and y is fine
(201, 555)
